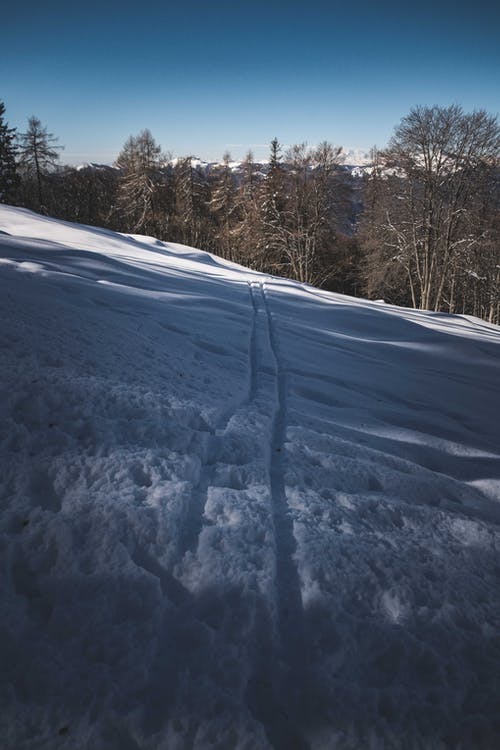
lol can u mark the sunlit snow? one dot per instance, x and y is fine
(239, 512)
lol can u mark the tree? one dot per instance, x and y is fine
(385, 265)
(223, 207)
(245, 231)
(427, 213)
(38, 157)
(314, 207)
(271, 239)
(191, 221)
(140, 183)
(86, 195)
(9, 178)
(301, 210)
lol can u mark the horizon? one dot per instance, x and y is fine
(350, 158)
(209, 80)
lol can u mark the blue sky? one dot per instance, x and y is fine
(209, 76)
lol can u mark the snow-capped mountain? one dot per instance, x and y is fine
(95, 167)
(356, 157)
(238, 511)
(354, 161)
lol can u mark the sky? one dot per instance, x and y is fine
(207, 77)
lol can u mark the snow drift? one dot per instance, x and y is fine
(237, 511)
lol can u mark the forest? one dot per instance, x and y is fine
(418, 226)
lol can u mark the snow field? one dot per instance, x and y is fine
(238, 512)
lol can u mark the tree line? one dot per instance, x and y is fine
(419, 226)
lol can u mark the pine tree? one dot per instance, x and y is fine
(9, 179)
(271, 204)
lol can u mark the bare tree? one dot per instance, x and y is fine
(38, 156)
(428, 179)
(308, 229)
(246, 213)
(191, 223)
(140, 162)
(223, 209)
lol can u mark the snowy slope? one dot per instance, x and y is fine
(238, 512)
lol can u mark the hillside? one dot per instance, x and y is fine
(239, 512)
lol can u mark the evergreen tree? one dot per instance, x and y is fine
(272, 201)
(9, 179)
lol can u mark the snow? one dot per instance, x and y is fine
(237, 511)
(356, 157)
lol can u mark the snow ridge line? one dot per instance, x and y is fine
(291, 687)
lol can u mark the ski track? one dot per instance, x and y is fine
(283, 713)
(276, 702)
(194, 521)
(253, 346)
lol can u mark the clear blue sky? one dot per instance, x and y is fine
(209, 76)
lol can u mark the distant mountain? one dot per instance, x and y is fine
(356, 161)
(96, 167)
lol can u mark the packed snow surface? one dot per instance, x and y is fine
(238, 512)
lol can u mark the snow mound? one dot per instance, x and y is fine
(237, 511)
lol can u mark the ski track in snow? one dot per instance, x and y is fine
(239, 513)
(278, 704)
(215, 438)
(292, 650)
